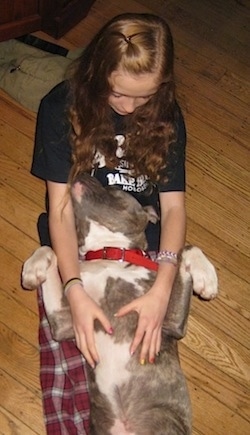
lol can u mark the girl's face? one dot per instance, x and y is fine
(131, 91)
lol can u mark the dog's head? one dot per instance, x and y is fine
(108, 216)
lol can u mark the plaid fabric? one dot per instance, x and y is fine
(63, 383)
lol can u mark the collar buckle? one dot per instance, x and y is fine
(108, 253)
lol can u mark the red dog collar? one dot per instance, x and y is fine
(133, 256)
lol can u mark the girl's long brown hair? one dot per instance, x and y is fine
(136, 44)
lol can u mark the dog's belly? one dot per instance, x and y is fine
(119, 429)
(113, 284)
(111, 372)
(95, 275)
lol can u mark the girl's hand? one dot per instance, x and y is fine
(84, 312)
(151, 308)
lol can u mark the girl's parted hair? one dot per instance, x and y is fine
(135, 44)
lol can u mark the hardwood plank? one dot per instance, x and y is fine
(209, 109)
(204, 377)
(11, 282)
(22, 150)
(20, 358)
(199, 36)
(227, 147)
(218, 312)
(27, 185)
(208, 25)
(19, 211)
(23, 121)
(226, 257)
(210, 416)
(23, 318)
(10, 425)
(202, 70)
(22, 402)
(220, 350)
(220, 220)
(15, 243)
(205, 169)
(204, 174)
(222, 18)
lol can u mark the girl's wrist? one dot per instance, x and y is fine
(165, 278)
(165, 256)
(72, 283)
(75, 296)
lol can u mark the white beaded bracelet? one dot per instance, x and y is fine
(167, 257)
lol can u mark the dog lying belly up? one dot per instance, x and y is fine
(126, 397)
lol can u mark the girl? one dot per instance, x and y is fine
(116, 118)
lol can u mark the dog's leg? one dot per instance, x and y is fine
(196, 274)
(41, 269)
(175, 323)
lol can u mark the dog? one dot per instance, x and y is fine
(127, 398)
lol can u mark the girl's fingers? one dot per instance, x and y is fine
(86, 344)
(158, 343)
(105, 323)
(142, 335)
(126, 309)
(85, 339)
(148, 350)
(82, 346)
(152, 348)
(151, 343)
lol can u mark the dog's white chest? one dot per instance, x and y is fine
(95, 274)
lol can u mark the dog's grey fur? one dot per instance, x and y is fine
(133, 399)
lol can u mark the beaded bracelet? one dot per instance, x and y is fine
(167, 257)
(70, 284)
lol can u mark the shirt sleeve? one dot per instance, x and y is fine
(52, 150)
(175, 170)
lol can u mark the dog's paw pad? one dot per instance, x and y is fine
(205, 282)
(31, 279)
(204, 276)
(35, 269)
(207, 290)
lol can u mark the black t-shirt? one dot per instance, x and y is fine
(52, 156)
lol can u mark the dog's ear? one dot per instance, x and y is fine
(151, 213)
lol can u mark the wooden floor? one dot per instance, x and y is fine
(212, 71)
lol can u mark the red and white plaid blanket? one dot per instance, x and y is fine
(63, 383)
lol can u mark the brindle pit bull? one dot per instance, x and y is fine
(126, 397)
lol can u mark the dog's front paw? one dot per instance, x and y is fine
(35, 268)
(203, 273)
